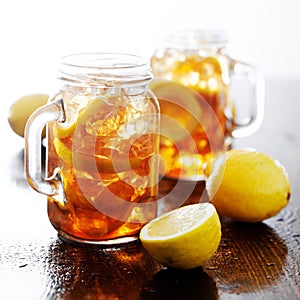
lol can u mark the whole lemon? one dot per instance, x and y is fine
(21, 110)
(248, 186)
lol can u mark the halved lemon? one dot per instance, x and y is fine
(183, 238)
(179, 106)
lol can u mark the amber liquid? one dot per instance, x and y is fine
(104, 154)
(206, 76)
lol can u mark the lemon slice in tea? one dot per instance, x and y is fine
(179, 106)
(95, 163)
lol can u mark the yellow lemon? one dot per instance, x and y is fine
(180, 108)
(183, 238)
(66, 131)
(89, 113)
(248, 186)
(22, 109)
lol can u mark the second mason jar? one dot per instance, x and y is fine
(102, 146)
(198, 98)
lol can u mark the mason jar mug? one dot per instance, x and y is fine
(101, 171)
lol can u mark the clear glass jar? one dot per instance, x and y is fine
(198, 61)
(102, 145)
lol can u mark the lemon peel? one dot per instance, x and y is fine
(21, 110)
(95, 163)
(253, 186)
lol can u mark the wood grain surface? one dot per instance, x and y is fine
(254, 261)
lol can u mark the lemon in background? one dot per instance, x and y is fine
(21, 110)
(248, 185)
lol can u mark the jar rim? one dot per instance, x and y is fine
(197, 38)
(100, 67)
(88, 59)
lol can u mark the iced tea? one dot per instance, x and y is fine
(207, 75)
(105, 155)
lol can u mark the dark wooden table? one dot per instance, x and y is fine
(254, 261)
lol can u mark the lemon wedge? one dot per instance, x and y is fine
(183, 238)
(95, 163)
(252, 187)
(66, 131)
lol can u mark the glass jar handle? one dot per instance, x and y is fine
(53, 111)
(257, 108)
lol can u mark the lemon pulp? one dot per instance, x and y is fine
(179, 221)
(183, 238)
